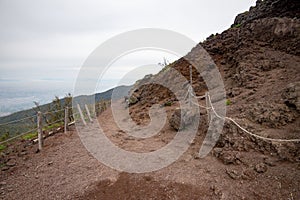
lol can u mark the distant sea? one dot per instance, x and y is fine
(16, 95)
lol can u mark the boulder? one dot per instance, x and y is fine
(291, 95)
(188, 116)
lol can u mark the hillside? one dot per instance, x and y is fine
(259, 62)
(22, 126)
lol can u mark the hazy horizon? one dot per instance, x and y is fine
(43, 44)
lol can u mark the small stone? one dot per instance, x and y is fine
(11, 163)
(269, 162)
(261, 168)
(2, 183)
(233, 174)
(23, 153)
(196, 156)
(228, 158)
(217, 152)
(129, 138)
(5, 168)
(148, 178)
(248, 174)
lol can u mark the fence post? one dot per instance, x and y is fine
(66, 118)
(40, 129)
(190, 90)
(88, 113)
(208, 105)
(81, 114)
(191, 75)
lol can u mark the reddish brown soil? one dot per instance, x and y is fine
(65, 170)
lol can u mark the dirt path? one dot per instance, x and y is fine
(65, 170)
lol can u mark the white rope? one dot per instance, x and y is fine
(51, 112)
(76, 113)
(55, 122)
(196, 104)
(198, 97)
(190, 92)
(18, 136)
(246, 131)
(18, 120)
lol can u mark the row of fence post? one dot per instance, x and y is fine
(40, 126)
(66, 121)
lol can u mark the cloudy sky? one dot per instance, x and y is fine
(44, 42)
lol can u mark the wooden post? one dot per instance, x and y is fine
(208, 105)
(190, 95)
(88, 113)
(40, 129)
(66, 118)
(81, 114)
(191, 86)
(191, 75)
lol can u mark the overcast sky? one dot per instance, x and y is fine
(49, 40)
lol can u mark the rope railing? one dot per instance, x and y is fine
(30, 117)
(198, 97)
(52, 112)
(39, 120)
(210, 107)
(68, 119)
(201, 106)
(18, 120)
(248, 132)
(17, 136)
(189, 92)
(59, 120)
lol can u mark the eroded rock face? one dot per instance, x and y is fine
(257, 60)
(271, 114)
(291, 95)
(270, 8)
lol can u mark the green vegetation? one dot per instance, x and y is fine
(168, 103)
(237, 26)
(53, 113)
(212, 36)
(29, 136)
(167, 67)
(101, 106)
(52, 126)
(228, 102)
(2, 147)
(4, 136)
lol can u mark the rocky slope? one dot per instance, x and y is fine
(259, 61)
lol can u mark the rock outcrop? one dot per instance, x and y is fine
(269, 8)
(259, 61)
